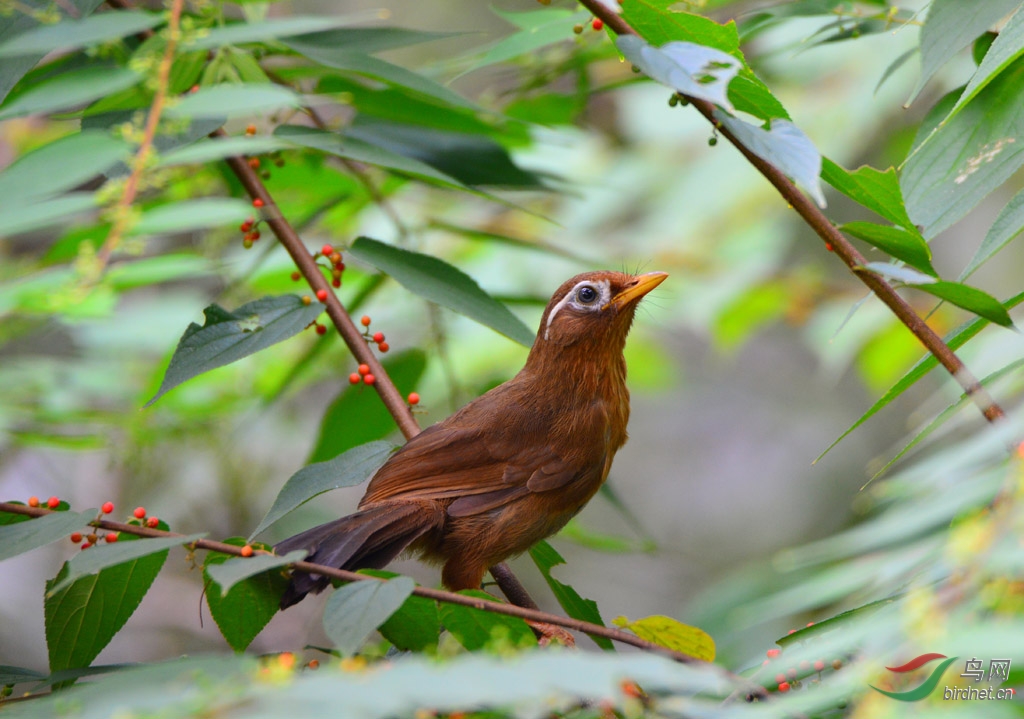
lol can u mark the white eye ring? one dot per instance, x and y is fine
(587, 295)
(602, 295)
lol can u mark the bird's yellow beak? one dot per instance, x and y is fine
(637, 289)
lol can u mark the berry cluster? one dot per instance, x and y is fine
(337, 265)
(597, 23)
(376, 338)
(793, 677)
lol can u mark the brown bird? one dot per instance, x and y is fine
(512, 466)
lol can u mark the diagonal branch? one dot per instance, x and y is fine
(834, 241)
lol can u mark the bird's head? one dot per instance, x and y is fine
(593, 307)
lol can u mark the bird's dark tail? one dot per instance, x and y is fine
(368, 539)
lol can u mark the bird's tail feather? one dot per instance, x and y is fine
(368, 539)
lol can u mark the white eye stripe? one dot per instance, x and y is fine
(603, 288)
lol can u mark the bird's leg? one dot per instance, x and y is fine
(516, 593)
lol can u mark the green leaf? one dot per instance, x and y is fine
(437, 281)
(785, 146)
(226, 337)
(234, 99)
(95, 560)
(954, 340)
(71, 34)
(190, 215)
(211, 150)
(18, 675)
(35, 216)
(23, 536)
(70, 89)
(129, 274)
(537, 29)
(671, 634)
(878, 191)
(346, 470)
(470, 159)
(366, 39)
(971, 299)
(956, 165)
(355, 610)
(659, 22)
(415, 626)
(901, 244)
(83, 616)
(355, 149)
(545, 557)
(236, 569)
(1007, 47)
(356, 417)
(269, 29)
(952, 25)
(1008, 225)
(59, 166)
(694, 70)
(476, 629)
(249, 605)
(827, 625)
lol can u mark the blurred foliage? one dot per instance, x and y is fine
(459, 188)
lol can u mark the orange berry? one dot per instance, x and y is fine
(152, 522)
(194, 89)
(53, 503)
(598, 24)
(326, 250)
(631, 689)
(837, 664)
(257, 203)
(321, 329)
(33, 501)
(414, 398)
(334, 258)
(139, 512)
(365, 320)
(784, 687)
(296, 276)
(246, 551)
(76, 537)
(364, 369)
(254, 163)
(355, 378)
(91, 538)
(250, 130)
(306, 300)
(111, 537)
(383, 347)
(378, 336)
(321, 295)
(107, 507)
(314, 664)
(369, 378)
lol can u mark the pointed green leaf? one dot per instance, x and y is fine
(268, 29)
(416, 626)
(190, 215)
(234, 99)
(210, 150)
(1007, 47)
(70, 34)
(537, 29)
(69, 90)
(971, 299)
(1007, 226)
(476, 629)
(18, 675)
(355, 610)
(441, 283)
(249, 604)
(878, 191)
(662, 21)
(828, 625)
(545, 557)
(365, 39)
(346, 470)
(901, 244)
(24, 536)
(226, 337)
(15, 219)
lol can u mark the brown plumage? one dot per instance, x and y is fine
(512, 466)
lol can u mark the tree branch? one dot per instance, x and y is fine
(835, 241)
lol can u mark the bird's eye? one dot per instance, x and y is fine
(586, 294)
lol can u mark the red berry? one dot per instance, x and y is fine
(111, 537)
(819, 665)
(828, 246)
(76, 537)
(414, 398)
(321, 295)
(369, 378)
(86, 545)
(254, 235)
(784, 687)
(139, 512)
(245, 226)
(339, 266)
(383, 347)
(194, 89)
(257, 203)
(254, 163)
(152, 522)
(246, 551)
(321, 329)
(355, 378)
(336, 282)
(53, 503)
(630, 689)
(314, 664)
(364, 369)
(326, 250)
(598, 23)
(250, 130)
(33, 501)
(296, 276)
(772, 653)
(378, 336)
(365, 321)
(107, 507)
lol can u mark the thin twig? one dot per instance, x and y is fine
(835, 241)
(131, 187)
(440, 595)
